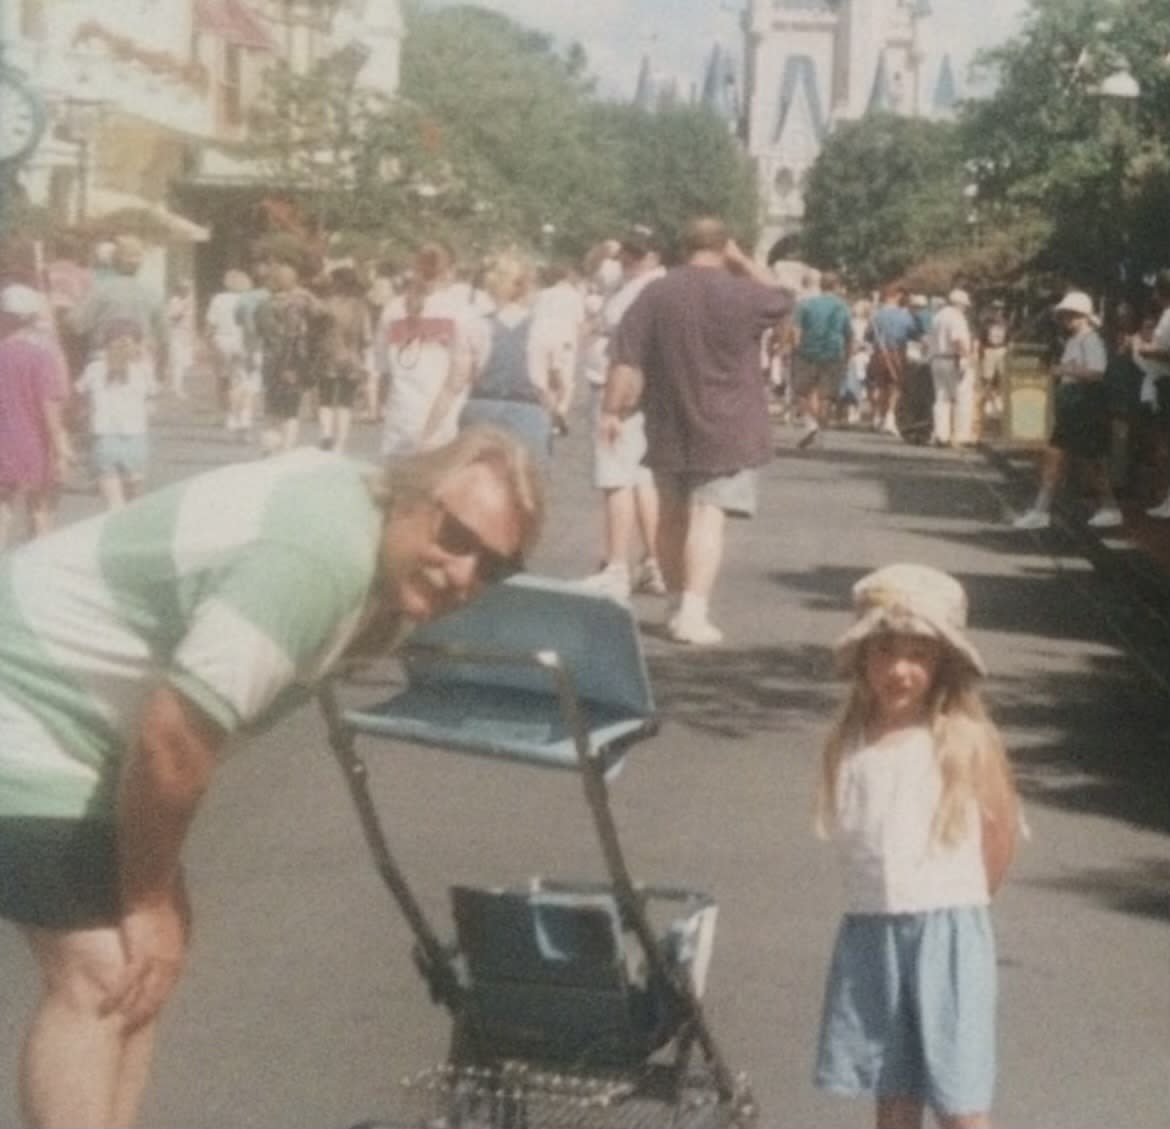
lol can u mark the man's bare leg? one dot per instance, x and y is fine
(80, 1066)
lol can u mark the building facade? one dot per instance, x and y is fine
(138, 93)
(810, 64)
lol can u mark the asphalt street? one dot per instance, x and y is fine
(302, 1007)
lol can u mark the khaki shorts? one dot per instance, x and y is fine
(825, 377)
(734, 493)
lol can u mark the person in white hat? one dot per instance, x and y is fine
(950, 365)
(34, 444)
(918, 795)
(1082, 427)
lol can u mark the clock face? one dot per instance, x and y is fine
(21, 119)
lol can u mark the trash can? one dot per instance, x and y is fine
(1027, 396)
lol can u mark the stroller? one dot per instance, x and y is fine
(571, 1003)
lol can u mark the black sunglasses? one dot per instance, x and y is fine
(460, 540)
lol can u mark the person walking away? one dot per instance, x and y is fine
(993, 348)
(823, 341)
(225, 336)
(118, 385)
(951, 355)
(890, 330)
(135, 646)
(289, 325)
(35, 450)
(918, 796)
(630, 498)
(560, 306)
(346, 340)
(1154, 358)
(380, 292)
(425, 345)
(688, 351)
(517, 385)
(119, 295)
(181, 335)
(1081, 429)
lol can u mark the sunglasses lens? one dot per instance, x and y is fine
(460, 541)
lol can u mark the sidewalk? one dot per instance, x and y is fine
(1139, 552)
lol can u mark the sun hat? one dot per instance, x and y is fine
(959, 298)
(1076, 302)
(910, 599)
(21, 301)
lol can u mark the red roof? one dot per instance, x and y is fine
(234, 22)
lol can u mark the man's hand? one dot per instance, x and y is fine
(154, 938)
(609, 427)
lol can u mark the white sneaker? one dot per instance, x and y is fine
(650, 579)
(1108, 517)
(1033, 519)
(696, 632)
(1161, 510)
(612, 581)
(811, 434)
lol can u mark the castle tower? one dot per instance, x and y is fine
(810, 64)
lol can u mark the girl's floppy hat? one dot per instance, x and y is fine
(909, 599)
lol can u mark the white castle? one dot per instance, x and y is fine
(809, 64)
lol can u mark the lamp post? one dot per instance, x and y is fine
(1119, 91)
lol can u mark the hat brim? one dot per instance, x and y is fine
(877, 620)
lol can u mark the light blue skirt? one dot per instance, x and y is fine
(910, 1009)
(529, 423)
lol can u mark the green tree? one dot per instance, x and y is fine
(1049, 148)
(885, 192)
(496, 138)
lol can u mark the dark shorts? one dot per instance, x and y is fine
(58, 873)
(336, 392)
(886, 369)
(1082, 420)
(282, 397)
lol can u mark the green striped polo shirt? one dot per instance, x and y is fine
(240, 588)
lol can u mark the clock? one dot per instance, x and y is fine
(22, 118)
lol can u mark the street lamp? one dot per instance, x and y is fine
(1120, 91)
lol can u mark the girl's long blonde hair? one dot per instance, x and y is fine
(968, 747)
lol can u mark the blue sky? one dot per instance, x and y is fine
(678, 34)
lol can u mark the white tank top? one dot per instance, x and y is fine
(887, 795)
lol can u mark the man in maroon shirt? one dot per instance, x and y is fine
(688, 350)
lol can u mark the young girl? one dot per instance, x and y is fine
(917, 792)
(118, 384)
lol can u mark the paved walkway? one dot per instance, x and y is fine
(301, 1007)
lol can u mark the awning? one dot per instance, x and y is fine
(105, 203)
(234, 22)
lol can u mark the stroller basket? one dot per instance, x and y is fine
(555, 976)
(520, 1096)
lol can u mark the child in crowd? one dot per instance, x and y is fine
(918, 794)
(118, 383)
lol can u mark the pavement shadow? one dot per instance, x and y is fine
(737, 693)
(1138, 889)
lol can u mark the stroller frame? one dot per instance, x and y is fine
(480, 1085)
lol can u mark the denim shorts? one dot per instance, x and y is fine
(120, 454)
(58, 873)
(910, 1009)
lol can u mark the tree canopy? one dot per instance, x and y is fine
(496, 137)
